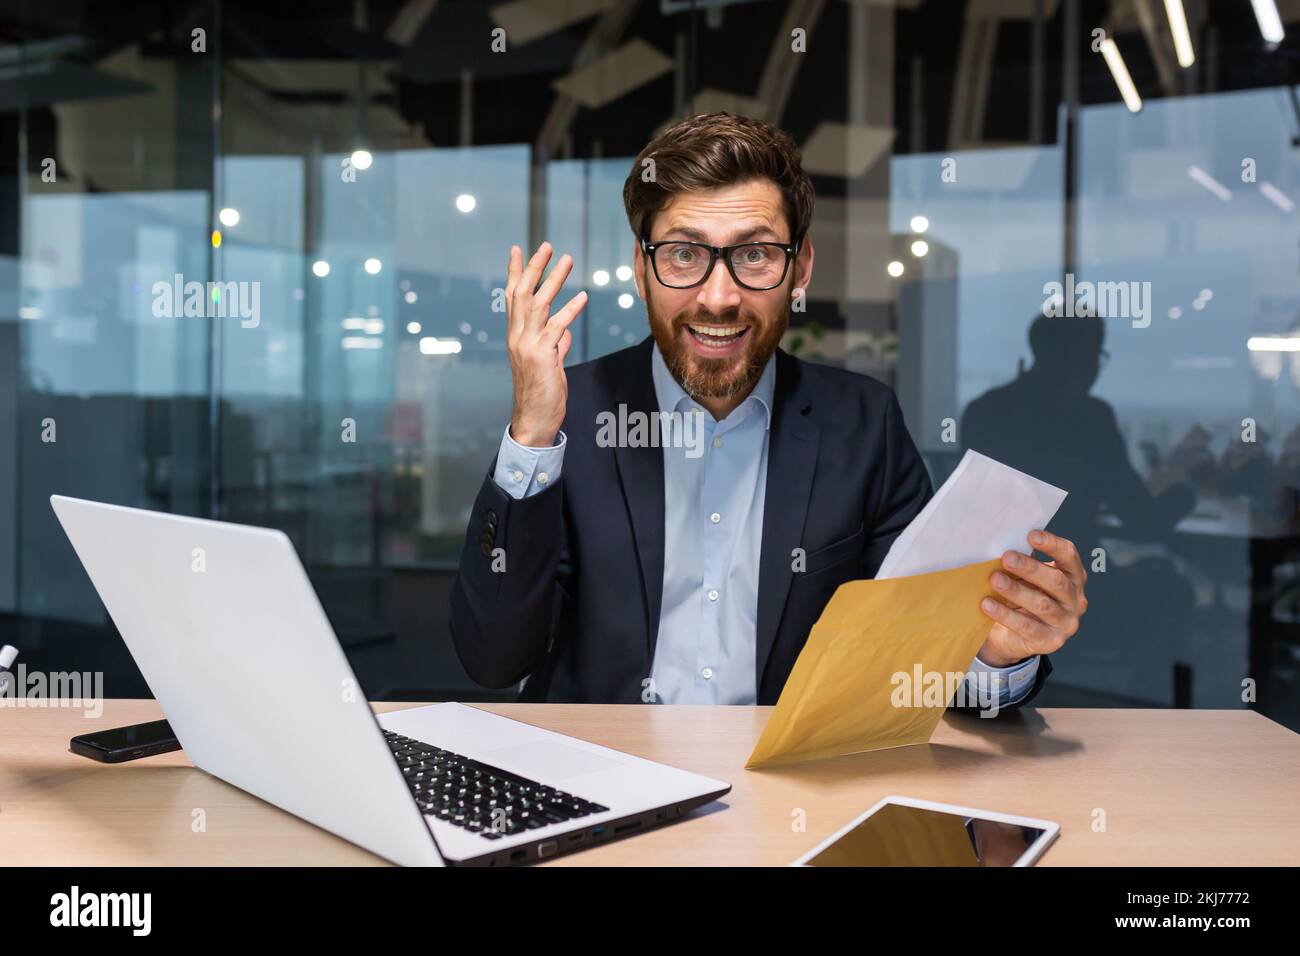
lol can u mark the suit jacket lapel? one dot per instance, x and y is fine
(791, 462)
(641, 472)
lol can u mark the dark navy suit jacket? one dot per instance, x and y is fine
(576, 610)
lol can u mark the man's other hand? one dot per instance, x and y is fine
(1040, 603)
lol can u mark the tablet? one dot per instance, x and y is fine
(901, 831)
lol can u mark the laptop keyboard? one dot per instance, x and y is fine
(486, 800)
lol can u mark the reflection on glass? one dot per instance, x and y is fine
(898, 835)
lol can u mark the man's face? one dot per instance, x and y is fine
(707, 365)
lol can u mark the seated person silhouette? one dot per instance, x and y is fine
(1046, 424)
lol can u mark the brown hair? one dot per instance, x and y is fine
(711, 150)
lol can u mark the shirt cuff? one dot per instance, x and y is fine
(1013, 683)
(523, 471)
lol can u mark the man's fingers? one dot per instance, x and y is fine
(514, 266)
(559, 323)
(1038, 603)
(1045, 577)
(520, 280)
(1038, 638)
(532, 274)
(1063, 550)
(549, 289)
(562, 349)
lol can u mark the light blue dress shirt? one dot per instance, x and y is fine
(713, 528)
(713, 533)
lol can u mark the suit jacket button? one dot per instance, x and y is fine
(492, 519)
(486, 548)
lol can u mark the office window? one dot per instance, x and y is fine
(342, 184)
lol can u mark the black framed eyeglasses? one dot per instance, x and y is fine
(757, 266)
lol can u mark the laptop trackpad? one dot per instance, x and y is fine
(548, 758)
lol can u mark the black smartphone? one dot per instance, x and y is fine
(126, 743)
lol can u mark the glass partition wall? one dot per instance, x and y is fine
(253, 256)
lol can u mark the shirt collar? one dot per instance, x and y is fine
(671, 395)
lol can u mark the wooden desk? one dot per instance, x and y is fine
(1178, 787)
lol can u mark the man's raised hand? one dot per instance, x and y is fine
(537, 342)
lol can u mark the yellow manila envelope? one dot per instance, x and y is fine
(880, 666)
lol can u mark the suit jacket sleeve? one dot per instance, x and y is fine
(904, 492)
(510, 584)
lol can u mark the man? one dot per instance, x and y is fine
(625, 571)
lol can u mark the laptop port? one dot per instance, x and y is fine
(546, 849)
(624, 828)
(518, 854)
(597, 832)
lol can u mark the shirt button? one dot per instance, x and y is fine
(715, 517)
(543, 477)
(717, 442)
(713, 595)
(518, 476)
(707, 673)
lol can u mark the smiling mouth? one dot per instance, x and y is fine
(717, 335)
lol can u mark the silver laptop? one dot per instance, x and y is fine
(224, 625)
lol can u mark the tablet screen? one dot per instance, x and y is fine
(897, 835)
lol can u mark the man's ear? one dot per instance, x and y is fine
(639, 266)
(803, 265)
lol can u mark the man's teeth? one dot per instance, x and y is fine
(717, 331)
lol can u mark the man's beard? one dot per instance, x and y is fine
(702, 377)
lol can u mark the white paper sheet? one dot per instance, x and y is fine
(982, 510)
